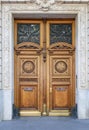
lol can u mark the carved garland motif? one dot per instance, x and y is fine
(28, 47)
(61, 47)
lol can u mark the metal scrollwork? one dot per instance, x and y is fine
(60, 33)
(28, 33)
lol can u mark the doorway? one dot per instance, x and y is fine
(44, 67)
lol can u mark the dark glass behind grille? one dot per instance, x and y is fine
(60, 33)
(28, 33)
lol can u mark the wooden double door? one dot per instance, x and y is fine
(44, 67)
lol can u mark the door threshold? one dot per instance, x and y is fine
(59, 113)
(29, 113)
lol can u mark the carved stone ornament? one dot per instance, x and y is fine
(45, 4)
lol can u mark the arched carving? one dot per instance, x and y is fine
(61, 45)
(27, 45)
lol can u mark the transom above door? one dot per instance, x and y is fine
(44, 67)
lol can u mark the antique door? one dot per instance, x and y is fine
(44, 67)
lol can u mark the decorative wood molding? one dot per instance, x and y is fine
(27, 45)
(61, 80)
(61, 45)
(28, 80)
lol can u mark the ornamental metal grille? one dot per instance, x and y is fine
(60, 33)
(28, 33)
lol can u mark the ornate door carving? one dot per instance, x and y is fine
(44, 67)
(61, 64)
(28, 67)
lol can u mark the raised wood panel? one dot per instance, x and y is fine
(60, 97)
(61, 70)
(28, 65)
(61, 65)
(29, 97)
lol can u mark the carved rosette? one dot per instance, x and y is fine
(60, 66)
(28, 66)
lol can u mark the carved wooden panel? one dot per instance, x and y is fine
(61, 66)
(28, 75)
(60, 97)
(28, 66)
(44, 66)
(29, 97)
(61, 53)
(61, 81)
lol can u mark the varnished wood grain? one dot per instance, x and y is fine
(52, 86)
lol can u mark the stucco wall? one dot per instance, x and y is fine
(1, 96)
(88, 50)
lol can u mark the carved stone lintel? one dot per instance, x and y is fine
(45, 4)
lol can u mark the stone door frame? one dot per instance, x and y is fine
(8, 12)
